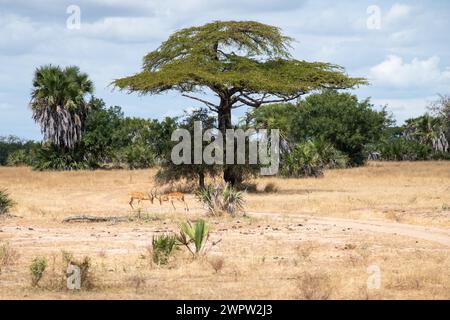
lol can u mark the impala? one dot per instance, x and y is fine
(141, 196)
(171, 196)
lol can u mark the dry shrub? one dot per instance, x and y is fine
(247, 187)
(137, 282)
(314, 286)
(306, 249)
(395, 216)
(270, 188)
(364, 253)
(217, 263)
(57, 276)
(8, 255)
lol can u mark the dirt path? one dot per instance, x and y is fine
(441, 236)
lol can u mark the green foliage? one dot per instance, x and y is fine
(109, 140)
(338, 118)
(310, 158)
(207, 56)
(277, 116)
(134, 143)
(37, 268)
(421, 138)
(197, 233)
(163, 247)
(303, 160)
(19, 157)
(401, 149)
(51, 157)
(6, 203)
(15, 151)
(99, 140)
(241, 62)
(222, 200)
(170, 172)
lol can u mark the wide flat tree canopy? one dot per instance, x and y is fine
(248, 62)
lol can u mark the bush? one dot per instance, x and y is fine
(163, 246)
(135, 157)
(402, 149)
(170, 172)
(336, 118)
(197, 234)
(37, 268)
(11, 145)
(309, 159)
(342, 120)
(317, 286)
(6, 203)
(50, 157)
(20, 157)
(222, 200)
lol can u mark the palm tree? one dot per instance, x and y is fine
(428, 130)
(58, 103)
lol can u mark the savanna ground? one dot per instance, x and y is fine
(306, 238)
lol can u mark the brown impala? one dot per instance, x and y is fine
(141, 196)
(171, 196)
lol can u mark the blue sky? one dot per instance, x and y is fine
(406, 58)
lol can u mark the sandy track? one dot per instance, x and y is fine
(438, 235)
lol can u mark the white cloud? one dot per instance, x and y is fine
(418, 73)
(127, 28)
(404, 109)
(398, 13)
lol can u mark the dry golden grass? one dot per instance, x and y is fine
(281, 250)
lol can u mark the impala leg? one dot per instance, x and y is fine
(171, 201)
(131, 203)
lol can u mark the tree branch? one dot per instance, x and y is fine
(252, 102)
(211, 106)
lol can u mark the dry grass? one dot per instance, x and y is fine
(260, 256)
(407, 192)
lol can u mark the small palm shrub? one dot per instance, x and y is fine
(303, 160)
(401, 149)
(37, 268)
(197, 234)
(163, 247)
(222, 200)
(309, 159)
(331, 157)
(6, 203)
(49, 157)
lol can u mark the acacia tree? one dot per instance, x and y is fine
(243, 63)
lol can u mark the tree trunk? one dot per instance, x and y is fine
(201, 180)
(224, 121)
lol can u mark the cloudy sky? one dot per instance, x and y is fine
(405, 54)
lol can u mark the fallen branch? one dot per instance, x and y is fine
(85, 218)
